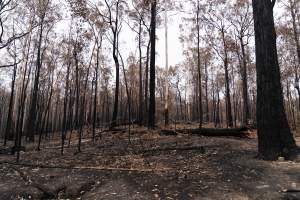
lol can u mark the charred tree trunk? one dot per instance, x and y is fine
(77, 80)
(141, 101)
(227, 83)
(166, 70)
(151, 116)
(65, 126)
(44, 117)
(9, 124)
(147, 82)
(295, 28)
(274, 134)
(117, 65)
(206, 94)
(199, 67)
(218, 113)
(246, 109)
(95, 95)
(21, 107)
(33, 105)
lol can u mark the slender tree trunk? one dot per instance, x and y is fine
(206, 93)
(82, 112)
(21, 107)
(77, 87)
(43, 118)
(141, 101)
(296, 38)
(83, 103)
(71, 120)
(95, 95)
(295, 29)
(117, 65)
(9, 124)
(128, 93)
(33, 106)
(180, 104)
(290, 105)
(246, 109)
(147, 81)
(298, 91)
(218, 113)
(167, 69)
(151, 118)
(227, 85)
(199, 66)
(65, 126)
(214, 104)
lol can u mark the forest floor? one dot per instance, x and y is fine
(149, 167)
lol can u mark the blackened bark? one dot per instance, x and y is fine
(33, 106)
(146, 87)
(44, 117)
(227, 86)
(295, 28)
(65, 126)
(117, 88)
(117, 65)
(206, 93)
(21, 107)
(128, 93)
(9, 124)
(296, 38)
(246, 109)
(95, 95)
(77, 79)
(199, 67)
(274, 134)
(141, 102)
(151, 118)
(218, 113)
(298, 91)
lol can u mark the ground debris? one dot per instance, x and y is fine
(150, 166)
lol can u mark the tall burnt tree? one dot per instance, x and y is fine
(274, 134)
(9, 123)
(215, 19)
(114, 23)
(43, 7)
(151, 114)
(66, 99)
(242, 22)
(138, 16)
(199, 65)
(292, 6)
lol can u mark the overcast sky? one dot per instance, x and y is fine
(128, 43)
(175, 47)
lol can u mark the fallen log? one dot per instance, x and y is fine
(212, 132)
(200, 149)
(291, 191)
(11, 150)
(168, 133)
(112, 130)
(127, 123)
(96, 168)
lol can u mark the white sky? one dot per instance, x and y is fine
(128, 43)
(175, 47)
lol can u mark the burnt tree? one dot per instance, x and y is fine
(274, 134)
(151, 116)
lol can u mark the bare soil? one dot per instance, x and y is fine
(149, 167)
